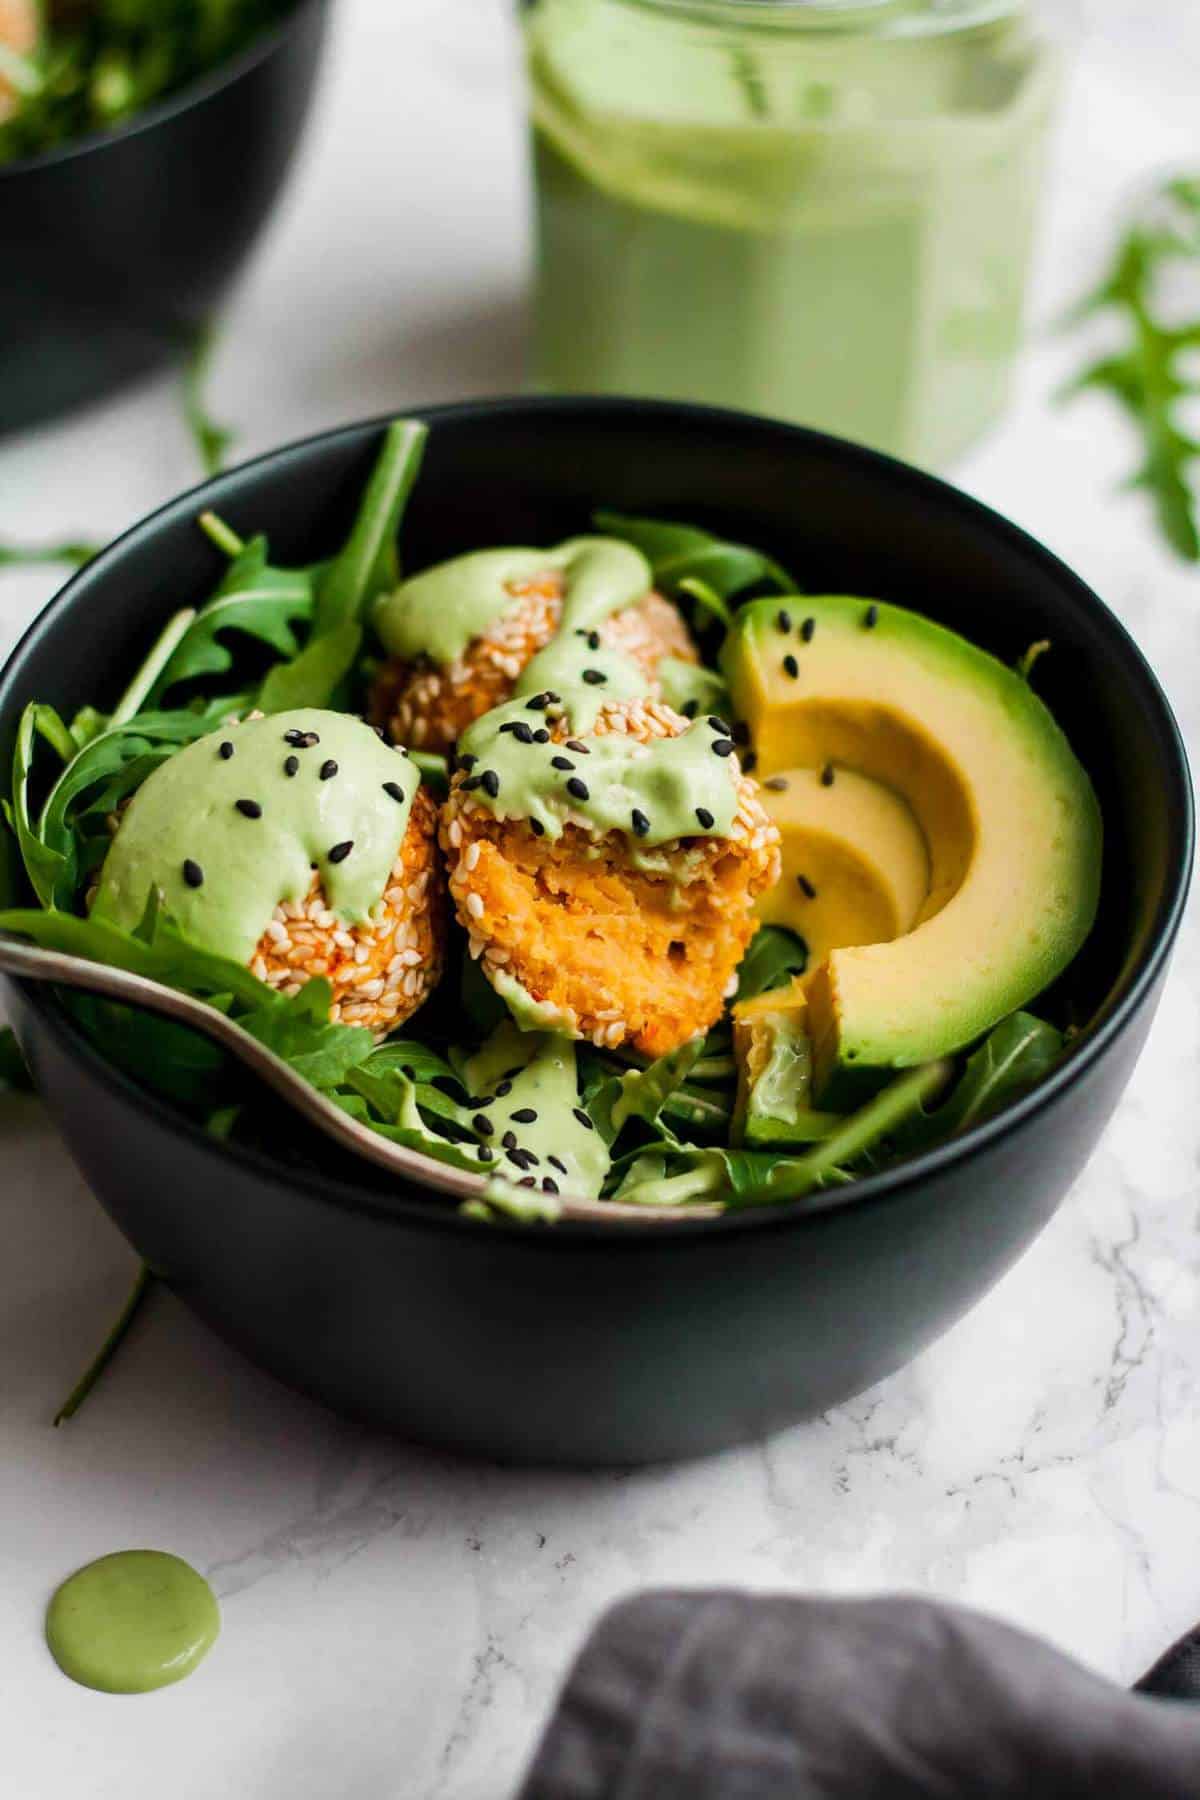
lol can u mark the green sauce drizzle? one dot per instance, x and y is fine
(438, 613)
(541, 1069)
(655, 793)
(132, 1622)
(185, 821)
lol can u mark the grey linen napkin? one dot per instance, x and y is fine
(729, 1696)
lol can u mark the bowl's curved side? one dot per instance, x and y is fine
(578, 1345)
(116, 251)
(551, 1348)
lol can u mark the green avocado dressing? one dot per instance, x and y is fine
(438, 613)
(238, 821)
(670, 788)
(132, 1622)
(538, 1068)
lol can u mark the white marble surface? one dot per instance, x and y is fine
(395, 1622)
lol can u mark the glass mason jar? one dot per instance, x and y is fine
(818, 209)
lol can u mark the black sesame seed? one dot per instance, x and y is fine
(520, 730)
(483, 1100)
(453, 1090)
(504, 1088)
(549, 1185)
(583, 1118)
(791, 667)
(249, 809)
(467, 761)
(509, 1140)
(595, 677)
(193, 874)
(593, 638)
(542, 736)
(394, 791)
(553, 699)
(527, 1181)
(518, 1157)
(537, 703)
(293, 737)
(871, 618)
(511, 1074)
(577, 789)
(750, 762)
(722, 746)
(471, 783)
(291, 765)
(777, 784)
(328, 770)
(524, 1115)
(484, 1154)
(529, 1157)
(311, 738)
(806, 887)
(719, 725)
(490, 782)
(807, 629)
(579, 749)
(340, 852)
(690, 708)
(483, 1125)
(705, 817)
(783, 620)
(561, 762)
(827, 775)
(556, 1162)
(537, 828)
(225, 751)
(640, 822)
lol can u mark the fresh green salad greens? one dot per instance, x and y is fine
(93, 64)
(274, 636)
(1152, 292)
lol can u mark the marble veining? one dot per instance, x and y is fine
(397, 1621)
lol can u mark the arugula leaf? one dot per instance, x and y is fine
(368, 565)
(313, 677)
(683, 553)
(212, 440)
(73, 552)
(301, 1032)
(254, 600)
(1015, 1056)
(776, 955)
(45, 867)
(642, 1093)
(164, 955)
(14, 1076)
(1149, 377)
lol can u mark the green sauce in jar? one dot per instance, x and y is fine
(807, 208)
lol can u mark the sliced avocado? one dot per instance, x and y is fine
(855, 862)
(774, 1063)
(1008, 815)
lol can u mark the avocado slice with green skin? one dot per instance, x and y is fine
(1008, 814)
(774, 1062)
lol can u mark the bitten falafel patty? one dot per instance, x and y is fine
(605, 856)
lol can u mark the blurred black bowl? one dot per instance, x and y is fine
(117, 245)
(591, 1343)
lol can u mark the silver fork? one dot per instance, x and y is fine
(30, 963)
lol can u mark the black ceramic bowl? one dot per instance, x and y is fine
(584, 1344)
(115, 246)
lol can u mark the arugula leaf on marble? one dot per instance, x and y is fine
(1152, 374)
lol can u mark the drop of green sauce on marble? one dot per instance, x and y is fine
(132, 1622)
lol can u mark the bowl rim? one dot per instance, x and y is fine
(193, 93)
(890, 1186)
